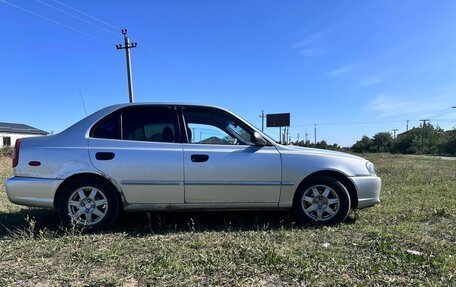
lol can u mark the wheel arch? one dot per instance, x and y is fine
(342, 178)
(73, 177)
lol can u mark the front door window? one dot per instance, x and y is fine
(204, 127)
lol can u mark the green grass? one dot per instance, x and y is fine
(417, 213)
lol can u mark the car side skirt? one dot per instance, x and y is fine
(202, 206)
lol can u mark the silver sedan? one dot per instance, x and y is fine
(182, 157)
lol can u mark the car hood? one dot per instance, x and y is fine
(292, 149)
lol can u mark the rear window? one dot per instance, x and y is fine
(154, 124)
(108, 128)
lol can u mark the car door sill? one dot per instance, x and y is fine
(200, 206)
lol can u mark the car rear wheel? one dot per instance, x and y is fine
(89, 202)
(323, 201)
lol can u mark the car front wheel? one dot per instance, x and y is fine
(89, 202)
(323, 200)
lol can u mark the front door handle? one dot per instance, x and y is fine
(105, 155)
(199, 157)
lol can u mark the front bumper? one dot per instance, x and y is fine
(368, 188)
(32, 191)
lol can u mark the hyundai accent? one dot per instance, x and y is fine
(138, 157)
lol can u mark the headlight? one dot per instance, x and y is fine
(370, 167)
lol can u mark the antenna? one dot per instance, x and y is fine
(83, 104)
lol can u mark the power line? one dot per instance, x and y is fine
(77, 17)
(55, 22)
(88, 15)
(145, 47)
(368, 123)
(166, 65)
(349, 123)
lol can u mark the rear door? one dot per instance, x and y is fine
(140, 148)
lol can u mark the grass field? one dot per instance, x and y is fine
(409, 239)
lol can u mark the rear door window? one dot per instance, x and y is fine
(153, 124)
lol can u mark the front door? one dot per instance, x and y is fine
(222, 165)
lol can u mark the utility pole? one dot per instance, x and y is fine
(127, 46)
(262, 120)
(280, 135)
(422, 135)
(297, 138)
(315, 133)
(288, 132)
(394, 131)
(306, 136)
(406, 129)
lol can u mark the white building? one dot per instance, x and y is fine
(10, 132)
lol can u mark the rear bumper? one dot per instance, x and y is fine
(368, 188)
(31, 191)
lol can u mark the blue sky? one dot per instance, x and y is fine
(352, 67)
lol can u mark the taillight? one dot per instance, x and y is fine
(16, 152)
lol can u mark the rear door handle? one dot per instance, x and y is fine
(199, 157)
(105, 155)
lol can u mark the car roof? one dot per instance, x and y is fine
(84, 125)
(181, 104)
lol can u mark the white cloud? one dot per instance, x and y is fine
(310, 51)
(373, 80)
(341, 70)
(307, 45)
(429, 105)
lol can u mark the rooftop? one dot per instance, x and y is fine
(20, 129)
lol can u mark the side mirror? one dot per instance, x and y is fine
(258, 139)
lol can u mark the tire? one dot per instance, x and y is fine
(322, 201)
(89, 203)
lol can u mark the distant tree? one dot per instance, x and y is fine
(321, 144)
(363, 145)
(405, 143)
(434, 137)
(335, 147)
(425, 140)
(381, 142)
(448, 145)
